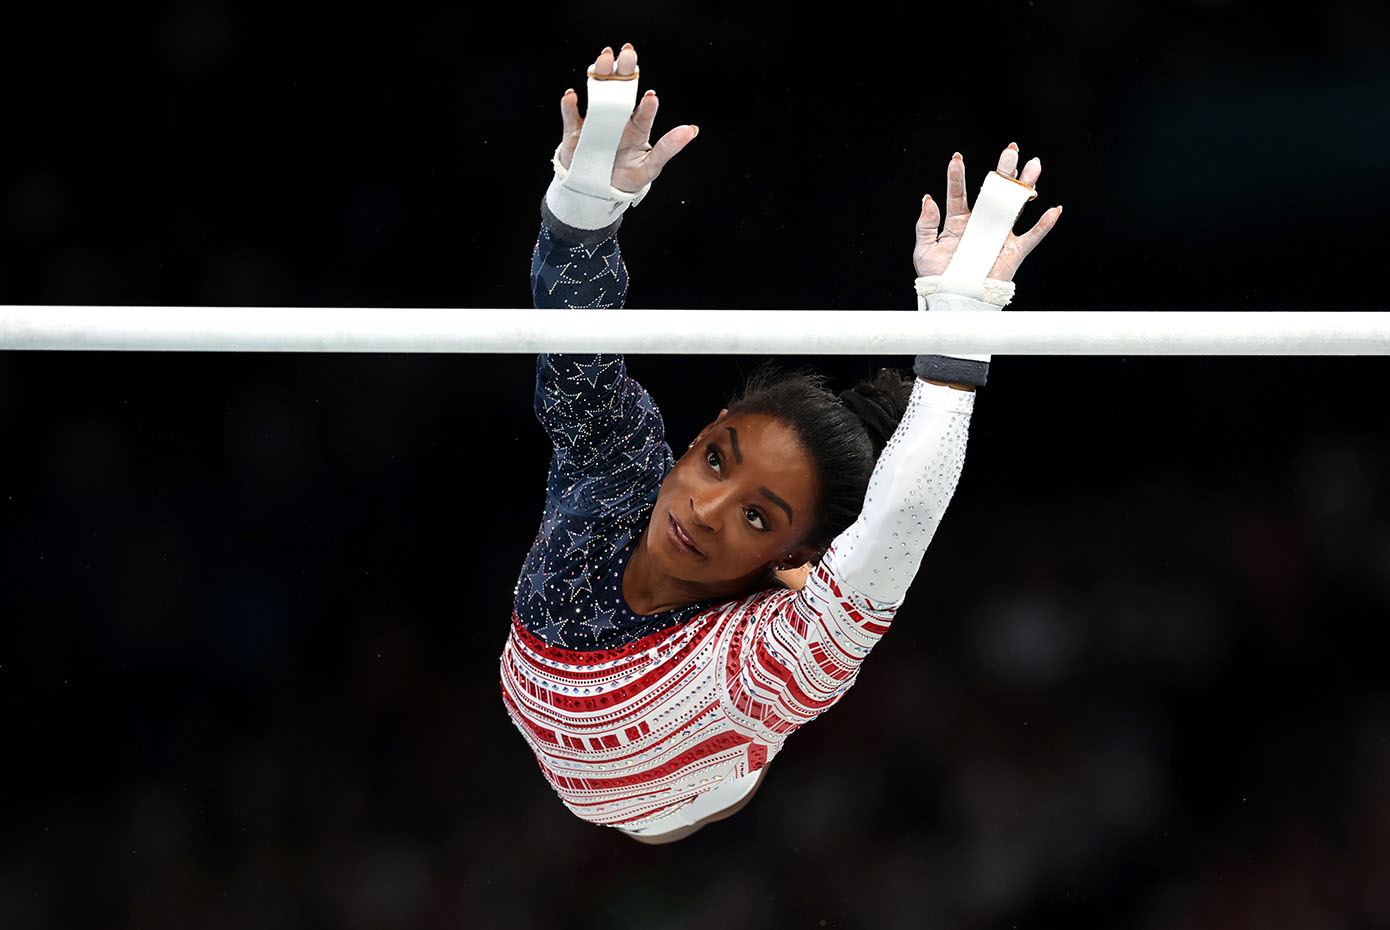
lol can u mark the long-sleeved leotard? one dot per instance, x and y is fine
(633, 716)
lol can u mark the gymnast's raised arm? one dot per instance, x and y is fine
(598, 418)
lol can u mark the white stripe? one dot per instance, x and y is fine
(701, 332)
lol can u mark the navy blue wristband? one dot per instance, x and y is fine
(951, 370)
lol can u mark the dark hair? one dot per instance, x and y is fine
(842, 443)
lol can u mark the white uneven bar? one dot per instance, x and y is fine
(692, 332)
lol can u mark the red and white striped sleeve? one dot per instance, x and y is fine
(795, 655)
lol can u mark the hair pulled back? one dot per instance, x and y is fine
(843, 443)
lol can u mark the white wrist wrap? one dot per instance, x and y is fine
(930, 296)
(583, 196)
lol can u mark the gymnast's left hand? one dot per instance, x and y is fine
(933, 250)
(638, 161)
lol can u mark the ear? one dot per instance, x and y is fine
(799, 557)
(713, 423)
(794, 577)
(708, 429)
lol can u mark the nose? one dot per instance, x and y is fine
(698, 514)
(707, 507)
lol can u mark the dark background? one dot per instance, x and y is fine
(251, 605)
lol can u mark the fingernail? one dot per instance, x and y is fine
(607, 50)
(957, 155)
(697, 131)
(628, 45)
(568, 92)
(1012, 145)
(925, 198)
(650, 93)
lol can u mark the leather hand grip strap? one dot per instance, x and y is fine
(996, 209)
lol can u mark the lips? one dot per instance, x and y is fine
(679, 537)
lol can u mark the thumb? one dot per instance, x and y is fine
(669, 146)
(572, 123)
(928, 221)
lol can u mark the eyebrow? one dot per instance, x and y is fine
(733, 440)
(779, 502)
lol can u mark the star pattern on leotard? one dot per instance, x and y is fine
(602, 619)
(638, 453)
(609, 461)
(559, 399)
(613, 264)
(569, 429)
(593, 370)
(562, 276)
(578, 459)
(565, 274)
(538, 581)
(552, 633)
(579, 541)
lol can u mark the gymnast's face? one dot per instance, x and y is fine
(741, 499)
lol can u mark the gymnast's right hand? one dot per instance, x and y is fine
(638, 161)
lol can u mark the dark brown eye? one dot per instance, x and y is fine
(712, 457)
(755, 519)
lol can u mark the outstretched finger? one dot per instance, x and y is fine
(1008, 161)
(627, 59)
(569, 113)
(1032, 171)
(1029, 240)
(604, 63)
(956, 204)
(928, 221)
(572, 122)
(642, 119)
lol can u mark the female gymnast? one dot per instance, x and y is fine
(657, 661)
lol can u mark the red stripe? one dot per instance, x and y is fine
(707, 747)
(795, 649)
(833, 670)
(780, 672)
(652, 700)
(621, 695)
(573, 657)
(797, 622)
(828, 637)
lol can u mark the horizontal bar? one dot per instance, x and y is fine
(692, 332)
